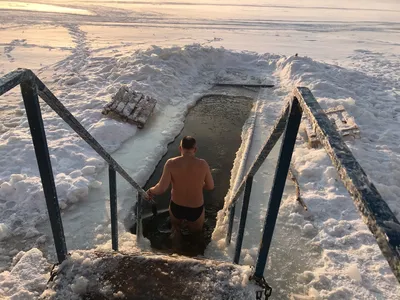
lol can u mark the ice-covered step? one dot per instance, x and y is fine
(110, 275)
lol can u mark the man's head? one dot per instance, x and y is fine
(188, 145)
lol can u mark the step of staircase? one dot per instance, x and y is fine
(111, 275)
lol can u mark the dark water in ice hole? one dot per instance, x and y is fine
(216, 122)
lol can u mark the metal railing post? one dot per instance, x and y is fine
(139, 218)
(243, 217)
(231, 213)
(34, 115)
(112, 176)
(278, 186)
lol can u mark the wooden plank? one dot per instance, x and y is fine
(138, 109)
(108, 107)
(293, 176)
(239, 77)
(246, 85)
(335, 109)
(116, 98)
(139, 97)
(350, 128)
(146, 111)
(130, 106)
(123, 101)
(342, 121)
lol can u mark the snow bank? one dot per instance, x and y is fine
(86, 80)
(27, 278)
(174, 76)
(350, 265)
(128, 275)
(369, 98)
(349, 248)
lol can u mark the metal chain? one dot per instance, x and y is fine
(52, 273)
(266, 287)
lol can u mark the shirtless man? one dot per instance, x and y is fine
(189, 176)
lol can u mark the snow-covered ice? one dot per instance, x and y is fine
(348, 55)
(144, 276)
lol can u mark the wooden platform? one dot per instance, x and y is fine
(99, 275)
(344, 123)
(239, 77)
(130, 106)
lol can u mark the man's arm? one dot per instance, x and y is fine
(164, 181)
(208, 181)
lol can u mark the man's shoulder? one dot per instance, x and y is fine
(172, 160)
(203, 162)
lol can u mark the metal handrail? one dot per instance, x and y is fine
(375, 212)
(31, 87)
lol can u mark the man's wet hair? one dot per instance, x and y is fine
(188, 142)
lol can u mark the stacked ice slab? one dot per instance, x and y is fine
(130, 106)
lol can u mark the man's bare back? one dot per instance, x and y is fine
(189, 176)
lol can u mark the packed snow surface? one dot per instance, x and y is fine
(89, 272)
(84, 51)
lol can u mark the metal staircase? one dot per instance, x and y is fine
(374, 210)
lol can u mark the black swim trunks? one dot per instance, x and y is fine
(190, 214)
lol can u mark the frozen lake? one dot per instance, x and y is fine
(348, 54)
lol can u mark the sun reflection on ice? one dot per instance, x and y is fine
(9, 5)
